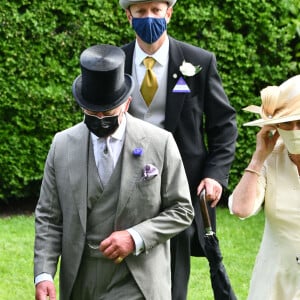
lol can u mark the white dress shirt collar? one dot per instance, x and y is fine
(161, 55)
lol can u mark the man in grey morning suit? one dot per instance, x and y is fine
(190, 102)
(112, 236)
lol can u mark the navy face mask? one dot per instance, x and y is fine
(149, 29)
(101, 127)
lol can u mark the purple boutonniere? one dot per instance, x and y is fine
(137, 152)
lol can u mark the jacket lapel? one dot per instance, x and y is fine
(132, 166)
(174, 101)
(129, 50)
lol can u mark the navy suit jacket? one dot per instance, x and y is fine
(202, 122)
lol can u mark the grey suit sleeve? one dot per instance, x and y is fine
(48, 222)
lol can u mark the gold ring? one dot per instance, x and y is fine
(119, 260)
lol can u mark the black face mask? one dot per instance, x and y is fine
(101, 127)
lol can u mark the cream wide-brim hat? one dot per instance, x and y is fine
(126, 3)
(279, 104)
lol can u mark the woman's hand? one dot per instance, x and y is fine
(266, 139)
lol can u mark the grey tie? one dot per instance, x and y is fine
(106, 164)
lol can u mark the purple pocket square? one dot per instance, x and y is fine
(149, 172)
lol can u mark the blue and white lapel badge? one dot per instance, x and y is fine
(188, 70)
(181, 86)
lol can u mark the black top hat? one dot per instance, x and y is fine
(102, 84)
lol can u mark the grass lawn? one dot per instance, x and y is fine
(239, 242)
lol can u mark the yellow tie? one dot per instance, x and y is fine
(149, 85)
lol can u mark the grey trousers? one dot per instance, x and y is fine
(102, 279)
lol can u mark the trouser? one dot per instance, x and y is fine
(101, 279)
(183, 246)
(181, 263)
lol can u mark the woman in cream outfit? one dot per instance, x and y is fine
(271, 181)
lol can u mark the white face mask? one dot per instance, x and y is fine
(291, 139)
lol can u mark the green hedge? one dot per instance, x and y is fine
(256, 44)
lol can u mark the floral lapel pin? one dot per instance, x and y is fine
(137, 152)
(149, 172)
(187, 70)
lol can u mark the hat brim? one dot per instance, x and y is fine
(76, 89)
(126, 3)
(262, 122)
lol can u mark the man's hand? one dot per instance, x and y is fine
(118, 245)
(213, 190)
(44, 289)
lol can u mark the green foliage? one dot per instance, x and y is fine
(256, 43)
(239, 242)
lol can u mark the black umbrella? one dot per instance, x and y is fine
(219, 279)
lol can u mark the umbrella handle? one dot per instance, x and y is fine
(205, 214)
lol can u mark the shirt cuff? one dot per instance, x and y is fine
(138, 241)
(43, 277)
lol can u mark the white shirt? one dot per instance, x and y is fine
(162, 60)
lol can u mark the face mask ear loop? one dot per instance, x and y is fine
(130, 15)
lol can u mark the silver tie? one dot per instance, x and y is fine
(106, 164)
